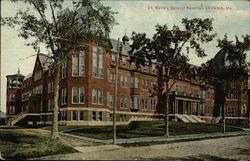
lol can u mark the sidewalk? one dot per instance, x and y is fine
(162, 138)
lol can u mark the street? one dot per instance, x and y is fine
(231, 148)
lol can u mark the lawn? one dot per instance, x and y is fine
(60, 127)
(147, 129)
(16, 145)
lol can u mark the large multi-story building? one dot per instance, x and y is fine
(236, 94)
(87, 92)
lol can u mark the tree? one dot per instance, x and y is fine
(235, 68)
(166, 49)
(64, 31)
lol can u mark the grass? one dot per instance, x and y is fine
(60, 127)
(148, 129)
(22, 146)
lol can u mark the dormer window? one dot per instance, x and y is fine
(37, 75)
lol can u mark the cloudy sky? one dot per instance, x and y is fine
(231, 17)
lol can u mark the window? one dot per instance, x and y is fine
(75, 115)
(100, 70)
(100, 96)
(134, 82)
(145, 84)
(50, 104)
(228, 110)
(100, 116)
(82, 63)
(112, 77)
(74, 95)
(111, 117)
(64, 68)
(94, 63)
(110, 100)
(97, 96)
(81, 95)
(38, 89)
(78, 95)
(134, 102)
(244, 109)
(124, 60)
(74, 65)
(144, 102)
(123, 101)
(63, 115)
(94, 96)
(151, 104)
(153, 67)
(12, 109)
(124, 81)
(63, 96)
(78, 64)
(123, 118)
(50, 87)
(93, 115)
(37, 75)
(81, 115)
(12, 97)
(232, 112)
(97, 62)
(154, 104)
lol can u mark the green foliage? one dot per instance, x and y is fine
(65, 29)
(237, 67)
(166, 48)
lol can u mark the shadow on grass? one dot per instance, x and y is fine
(149, 143)
(147, 129)
(22, 146)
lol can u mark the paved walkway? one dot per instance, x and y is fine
(162, 138)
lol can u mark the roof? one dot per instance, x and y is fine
(219, 58)
(125, 47)
(45, 60)
(28, 76)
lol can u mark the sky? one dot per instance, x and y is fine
(231, 17)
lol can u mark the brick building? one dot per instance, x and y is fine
(87, 86)
(87, 91)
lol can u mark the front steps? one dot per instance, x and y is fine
(189, 118)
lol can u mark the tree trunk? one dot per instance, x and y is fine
(54, 132)
(166, 114)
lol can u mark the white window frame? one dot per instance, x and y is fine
(77, 97)
(64, 68)
(100, 96)
(94, 96)
(80, 95)
(82, 63)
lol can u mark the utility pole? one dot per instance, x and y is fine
(223, 107)
(248, 96)
(115, 95)
(167, 107)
